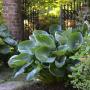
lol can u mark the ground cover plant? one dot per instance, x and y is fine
(80, 76)
(7, 44)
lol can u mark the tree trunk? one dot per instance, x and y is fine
(12, 13)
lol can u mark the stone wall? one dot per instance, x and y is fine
(13, 17)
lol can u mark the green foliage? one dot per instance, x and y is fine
(80, 77)
(7, 43)
(47, 56)
(1, 10)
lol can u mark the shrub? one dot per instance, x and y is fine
(48, 56)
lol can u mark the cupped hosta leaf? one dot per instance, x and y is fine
(33, 73)
(4, 49)
(42, 54)
(60, 62)
(5, 34)
(39, 32)
(75, 40)
(21, 70)
(60, 38)
(44, 40)
(58, 72)
(19, 60)
(10, 41)
(3, 28)
(54, 28)
(62, 49)
(26, 47)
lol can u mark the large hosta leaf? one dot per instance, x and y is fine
(75, 40)
(21, 70)
(33, 73)
(10, 41)
(5, 34)
(60, 38)
(26, 47)
(39, 32)
(42, 54)
(54, 28)
(72, 39)
(62, 50)
(19, 60)
(58, 72)
(44, 40)
(60, 62)
(3, 28)
(4, 49)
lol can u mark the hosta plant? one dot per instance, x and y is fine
(7, 43)
(47, 56)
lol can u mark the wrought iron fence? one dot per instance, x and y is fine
(36, 17)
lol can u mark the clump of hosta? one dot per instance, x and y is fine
(46, 56)
(7, 43)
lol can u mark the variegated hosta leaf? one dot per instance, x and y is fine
(39, 32)
(44, 40)
(3, 28)
(75, 40)
(42, 54)
(60, 38)
(19, 60)
(57, 72)
(10, 41)
(22, 70)
(31, 75)
(62, 50)
(60, 62)
(5, 34)
(54, 28)
(26, 47)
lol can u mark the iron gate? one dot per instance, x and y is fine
(35, 17)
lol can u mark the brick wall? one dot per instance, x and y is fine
(13, 17)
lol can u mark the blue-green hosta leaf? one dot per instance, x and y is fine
(26, 47)
(54, 28)
(33, 73)
(59, 63)
(39, 32)
(44, 40)
(58, 72)
(4, 49)
(42, 54)
(5, 34)
(3, 28)
(60, 38)
(22, 70)
(19, 60)
(31, 38)
(75, 40)
(10, 41)
(61, 50)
